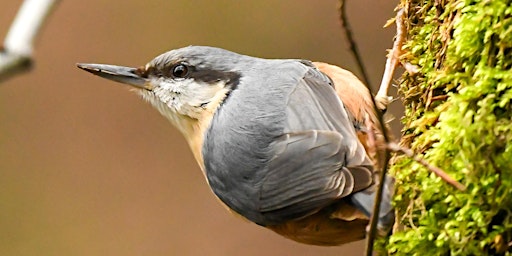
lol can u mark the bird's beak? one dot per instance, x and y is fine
(125, 75)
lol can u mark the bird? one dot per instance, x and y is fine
(284, 143)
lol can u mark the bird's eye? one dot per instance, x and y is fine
(180, 71)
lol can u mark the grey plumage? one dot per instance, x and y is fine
(275, 141)
(282, 146)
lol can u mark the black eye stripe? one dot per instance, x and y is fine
(180, 70)
(214, 76)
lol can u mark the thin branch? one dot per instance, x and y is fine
(438, 171)
(16, 54)
(372, 233)
(392, 61)
(12, 64)
(352, 44)
(383, 99)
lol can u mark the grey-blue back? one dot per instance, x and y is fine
(256, 147)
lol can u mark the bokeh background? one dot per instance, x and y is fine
(88, 168)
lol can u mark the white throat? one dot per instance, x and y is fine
(184, 101)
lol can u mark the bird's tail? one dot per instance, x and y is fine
(365, 199)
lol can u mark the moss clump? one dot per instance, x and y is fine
(458, 117)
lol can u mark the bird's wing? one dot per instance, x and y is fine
(358, 102)
(354, 94)
(314, 105)
(318, 159)
(307, 173)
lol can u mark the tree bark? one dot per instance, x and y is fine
(458, 117)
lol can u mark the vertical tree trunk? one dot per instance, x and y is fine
(459, 117)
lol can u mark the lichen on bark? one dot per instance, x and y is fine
(458, 117)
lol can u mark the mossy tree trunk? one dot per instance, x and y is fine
(458, 117)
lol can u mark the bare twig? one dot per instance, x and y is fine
(12, 64)
(386, 156)
(393, 60)
(352, 44)
(372, 233)
(380, 103)
(438, 171)
(16, 54)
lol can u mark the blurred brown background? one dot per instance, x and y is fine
(88, 168)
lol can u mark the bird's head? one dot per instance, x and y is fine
(186, 85)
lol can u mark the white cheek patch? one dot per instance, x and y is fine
(200, 93)
(185, 97)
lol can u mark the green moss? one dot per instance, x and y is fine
(459, 117)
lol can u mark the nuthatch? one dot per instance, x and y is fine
(280, 141)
